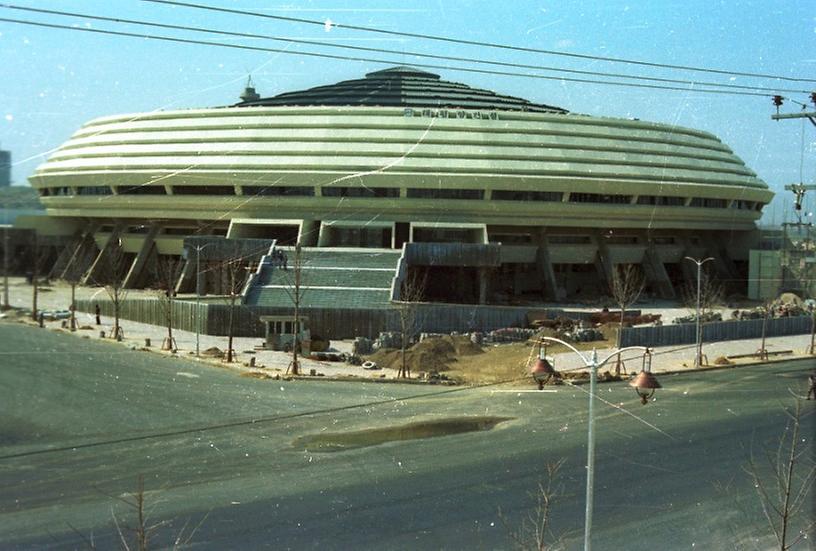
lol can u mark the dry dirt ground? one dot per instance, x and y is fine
(460, 360)
(454, 357)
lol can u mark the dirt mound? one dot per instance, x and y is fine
(213, 352)
(432, 354)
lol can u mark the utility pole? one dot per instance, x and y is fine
(808, 256)
(6, 304)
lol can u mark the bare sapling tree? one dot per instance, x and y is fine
(535, 532)
(236, 273)
(140, 535)
(115, 286)
(712, 296)
(39, 255)
(712, 293)
(296, 291)
(785, 485)
(168, 271)
(6, 267)
(767, 308)
(812, 348)
(626, 287)
(412, 292)
(72, 276)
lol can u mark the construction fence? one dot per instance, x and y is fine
(669, 335)
(326, 322)
(432, 318)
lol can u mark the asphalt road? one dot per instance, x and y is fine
(80, 421)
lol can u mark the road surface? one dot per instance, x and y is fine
(81, 420)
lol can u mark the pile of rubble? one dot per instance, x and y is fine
(705, 317)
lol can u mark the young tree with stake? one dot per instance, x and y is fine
(626, 287)
(168, 271)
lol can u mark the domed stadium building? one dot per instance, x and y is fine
(493, 199)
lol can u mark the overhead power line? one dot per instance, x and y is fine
(395, 52)
(480, 43)
(380, 61)
(256, 421)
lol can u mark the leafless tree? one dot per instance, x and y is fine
(712, 293)
(38, 257)
(6, 255)
(626, 287)
(138, 537)
(168, 271)
(782, 490)
(411, 293)
(236, 272)
(296, 291)
(535, 531)
(767, 308)
(115, 286)
(72, 276)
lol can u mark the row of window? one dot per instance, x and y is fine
(525, 238)
(412, 193)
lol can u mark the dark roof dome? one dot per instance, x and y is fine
(402, 86)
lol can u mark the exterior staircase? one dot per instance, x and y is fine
(330, 278)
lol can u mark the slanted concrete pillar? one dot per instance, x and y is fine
(142, 256)
(484, 284)
(689, 269)
(549, 285)
(603, 260)
(186, 279)
(656, 273)
(98, 265)
(725, 267)
(72, 256)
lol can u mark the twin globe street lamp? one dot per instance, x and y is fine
(698, 341)
(198, 249)
(644, 383)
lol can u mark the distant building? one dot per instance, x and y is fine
(5, 168)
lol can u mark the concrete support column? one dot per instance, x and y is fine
(187, 275)
(142, 256)
(484, 284)
(73, 255)
(689, 269)
(603, 260)
(656, 273)
(549, 285)
(98, 266)
(722, 263)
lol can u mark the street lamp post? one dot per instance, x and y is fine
(698, 355)
(645, 384)
(198, 249)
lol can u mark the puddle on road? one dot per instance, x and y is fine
(341, 441)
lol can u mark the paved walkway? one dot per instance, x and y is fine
(57, 298)
(665, 359)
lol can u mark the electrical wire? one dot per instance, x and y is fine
(405, 53)
(379, 61)
(329, 24)
(249, 422)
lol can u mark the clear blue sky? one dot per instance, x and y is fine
(55, 80)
